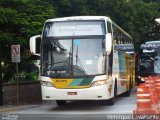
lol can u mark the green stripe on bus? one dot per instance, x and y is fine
(81, 82)
(86, 81)
(76, 82)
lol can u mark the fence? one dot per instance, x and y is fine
(29, 93)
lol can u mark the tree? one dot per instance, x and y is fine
(144, 16)
(19, 20)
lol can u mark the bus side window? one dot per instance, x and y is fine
(110, 59)
(110, 63)
(109, 27)
(115, 35)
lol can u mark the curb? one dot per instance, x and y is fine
(17, 108)
(7, 110)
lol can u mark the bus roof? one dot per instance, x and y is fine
(150, 44)
(79, 18)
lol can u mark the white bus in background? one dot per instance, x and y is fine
(84, 58)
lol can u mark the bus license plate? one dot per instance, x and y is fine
(72, 93)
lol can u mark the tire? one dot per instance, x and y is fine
(61, 102)
(128, 93)
(113, 99)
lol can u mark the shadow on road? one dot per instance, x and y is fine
(120, 104)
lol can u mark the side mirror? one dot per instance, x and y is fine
(35, 42)
(108, 43)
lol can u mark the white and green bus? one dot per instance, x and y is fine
(84, 58)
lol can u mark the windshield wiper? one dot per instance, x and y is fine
(80, 63)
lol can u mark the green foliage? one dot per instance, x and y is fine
(134, 16)
(145, 13)
(19, 20)
(24, 77)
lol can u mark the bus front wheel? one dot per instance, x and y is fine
(61, 102)
(113, 99)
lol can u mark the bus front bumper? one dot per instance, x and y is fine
(101, 92)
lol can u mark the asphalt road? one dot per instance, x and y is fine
(78, 110)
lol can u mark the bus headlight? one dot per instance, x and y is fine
(47, 83)
(99, 82)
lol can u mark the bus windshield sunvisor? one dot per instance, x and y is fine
(56, 29)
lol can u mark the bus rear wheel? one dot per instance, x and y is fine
(128, 93)
(61, 102)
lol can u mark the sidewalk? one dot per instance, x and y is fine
(13, 108)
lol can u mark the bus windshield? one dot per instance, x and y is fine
(150, 62)
(73, 28)
(72, 57)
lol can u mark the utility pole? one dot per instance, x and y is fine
(1, 81)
